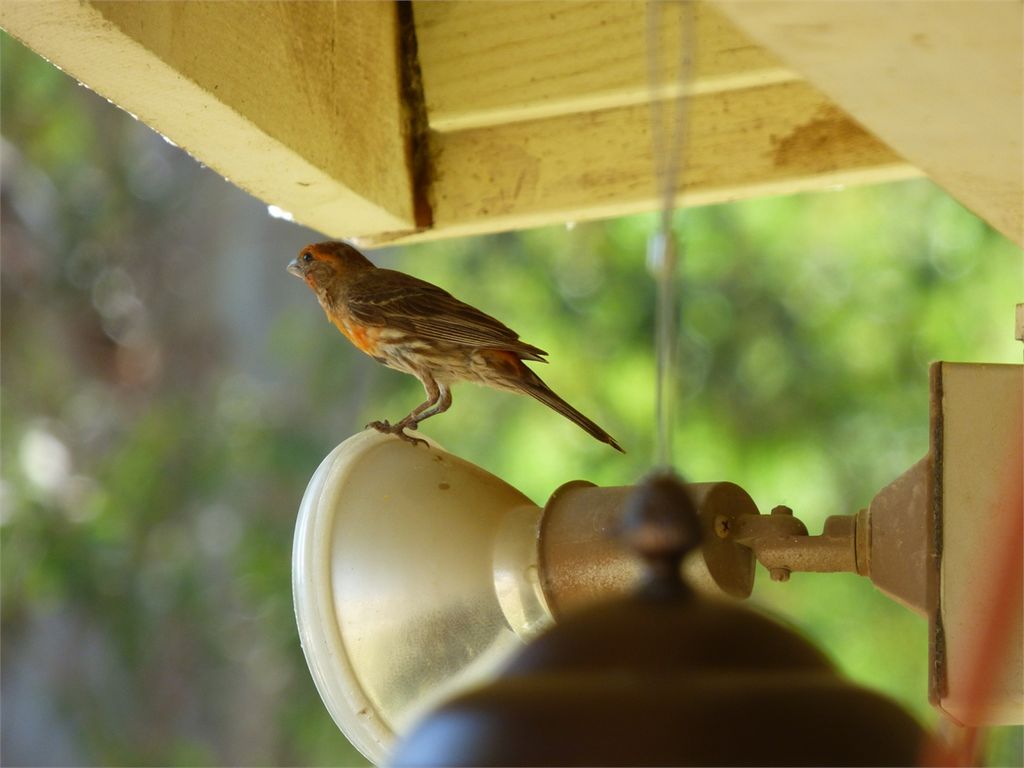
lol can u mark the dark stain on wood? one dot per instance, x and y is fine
(830, 132)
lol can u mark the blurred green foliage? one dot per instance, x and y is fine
(167, 390)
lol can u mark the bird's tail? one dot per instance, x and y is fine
(531, 384)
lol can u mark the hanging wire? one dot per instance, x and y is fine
(663, 252)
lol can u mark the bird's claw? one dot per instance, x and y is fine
(397, 429)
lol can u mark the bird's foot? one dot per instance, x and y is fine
(397, 429)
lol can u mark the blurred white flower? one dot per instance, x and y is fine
(45, 460)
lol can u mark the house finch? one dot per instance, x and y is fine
(413, 326)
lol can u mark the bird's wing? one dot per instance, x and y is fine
(396, 300)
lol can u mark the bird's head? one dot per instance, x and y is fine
(323, 264)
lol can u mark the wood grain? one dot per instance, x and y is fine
(942, 83)
(486, 63)
(775, 140)
(297, 103)
(537, 112)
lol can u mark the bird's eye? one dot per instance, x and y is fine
(307, 257)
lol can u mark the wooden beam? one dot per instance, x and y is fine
(538, 113)
(942, 83)
(773, 140)
(488, 63)
(530, 113)
(298, 103)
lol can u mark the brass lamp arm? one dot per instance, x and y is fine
(781, 544)
(888, 542)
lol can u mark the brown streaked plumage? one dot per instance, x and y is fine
(413, 326)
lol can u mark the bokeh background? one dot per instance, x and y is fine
(168, 389)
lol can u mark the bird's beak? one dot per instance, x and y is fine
(295, 268)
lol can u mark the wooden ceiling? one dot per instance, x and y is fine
(395, 122)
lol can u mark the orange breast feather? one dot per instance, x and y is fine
(365, 339)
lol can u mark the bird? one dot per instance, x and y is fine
(416, 327)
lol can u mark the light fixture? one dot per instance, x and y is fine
(417, 574)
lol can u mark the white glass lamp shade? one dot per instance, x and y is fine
(414, 575)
